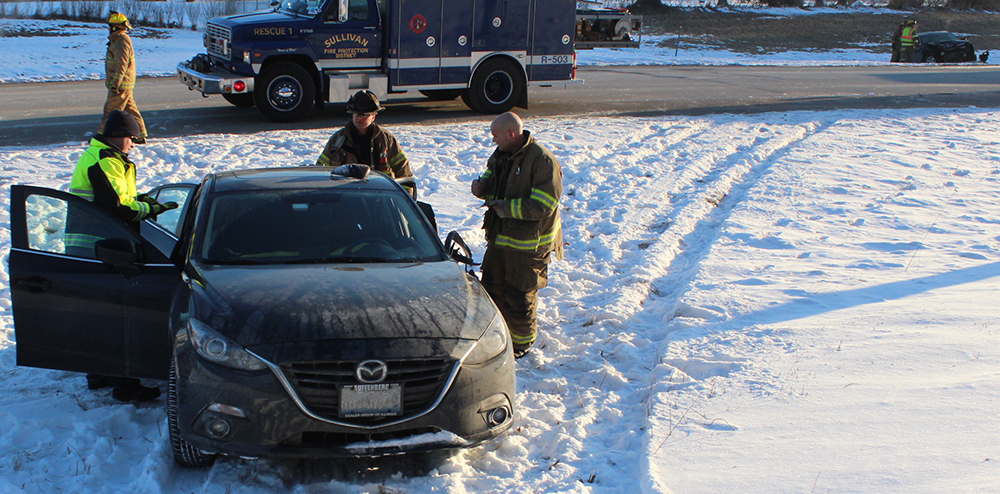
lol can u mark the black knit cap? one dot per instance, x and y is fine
(120, 124)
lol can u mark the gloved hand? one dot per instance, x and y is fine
(145, 198)
(500, 207)
(156, 208)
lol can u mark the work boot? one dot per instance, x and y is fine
(133, 390)
(521, 350)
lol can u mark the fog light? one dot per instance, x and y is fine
(218, 427)
(239, 86)
(497, 416)
(220, 422)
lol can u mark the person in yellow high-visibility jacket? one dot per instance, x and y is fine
(908, 41)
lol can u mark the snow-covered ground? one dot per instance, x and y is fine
(783, 302)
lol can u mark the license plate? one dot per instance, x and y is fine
(371, 400)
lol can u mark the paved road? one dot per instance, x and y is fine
(46, 113)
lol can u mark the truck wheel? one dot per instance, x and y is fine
(242, 100)
(496, 87)
(185, 454)
(284, 92)
(442, 94)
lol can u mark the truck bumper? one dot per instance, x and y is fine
(217, 81)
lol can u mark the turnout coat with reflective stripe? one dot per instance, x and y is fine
(528, 219)
(105, 176)
(119, 63)
(386, 155)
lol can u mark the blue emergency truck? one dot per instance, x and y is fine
(302, 53)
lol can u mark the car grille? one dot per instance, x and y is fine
(317, 384)
(217, 40)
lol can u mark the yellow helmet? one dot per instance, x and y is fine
(119, 18)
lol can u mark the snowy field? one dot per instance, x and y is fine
(784, 302)
(801, 302)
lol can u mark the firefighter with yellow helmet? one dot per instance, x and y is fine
(119, 68)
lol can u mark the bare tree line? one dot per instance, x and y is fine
(193, 14)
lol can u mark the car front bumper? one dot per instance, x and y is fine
(245, 414)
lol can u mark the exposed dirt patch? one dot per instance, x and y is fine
(751, 32)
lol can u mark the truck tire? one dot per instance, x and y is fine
(442, 94)
(284, 92)
(497, 86)
(242, 100)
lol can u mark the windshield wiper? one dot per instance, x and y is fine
(338, 260)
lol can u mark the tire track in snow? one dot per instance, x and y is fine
(729, 158)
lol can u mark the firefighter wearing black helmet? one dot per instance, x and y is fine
(362, 141)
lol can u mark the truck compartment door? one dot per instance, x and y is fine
(415, 53)
(456, 41)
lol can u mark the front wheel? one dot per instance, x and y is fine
(284, 92)
(932, 58)
(497, 86)
(185, 454)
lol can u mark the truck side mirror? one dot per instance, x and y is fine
(342, 11)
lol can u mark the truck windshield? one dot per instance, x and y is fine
(301, 7)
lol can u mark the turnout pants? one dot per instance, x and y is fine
(123, 101)
(512, 279)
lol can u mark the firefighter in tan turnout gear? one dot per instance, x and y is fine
(362, 141)
(521, 189)
(119, 69)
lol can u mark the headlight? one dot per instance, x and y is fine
(493, 342)
(214, 347)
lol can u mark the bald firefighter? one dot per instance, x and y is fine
(520, 188)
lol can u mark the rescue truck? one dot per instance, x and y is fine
(302, 53)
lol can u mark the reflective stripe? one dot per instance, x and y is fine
(541, 196)
(84, 193)
(81, 240)
(516, 209)
(528, 245)
(522, 340)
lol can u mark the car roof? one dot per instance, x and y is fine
(303, 177)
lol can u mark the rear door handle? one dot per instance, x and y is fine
(34, 283)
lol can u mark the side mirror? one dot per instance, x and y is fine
(458, 250)
(342, 12)
(119, 253)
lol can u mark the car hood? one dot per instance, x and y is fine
(257, 305)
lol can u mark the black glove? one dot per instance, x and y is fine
(156, 208)
(145, 198)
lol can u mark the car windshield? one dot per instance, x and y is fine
(301, 7)
(314, 226)
(937, 37)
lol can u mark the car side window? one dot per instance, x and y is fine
(171, 220)
(59, 226)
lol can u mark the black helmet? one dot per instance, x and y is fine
(120, 124)
(364, 102)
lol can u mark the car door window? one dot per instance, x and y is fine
(171, 220)
(60, 226)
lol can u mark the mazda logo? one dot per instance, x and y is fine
(372, 371)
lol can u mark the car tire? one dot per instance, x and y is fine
(284, 92)
(932, 58)
(497, 86)
(442, 94)
(185, 454)
(242, 100)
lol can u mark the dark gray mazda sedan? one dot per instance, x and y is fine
(293, 312)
